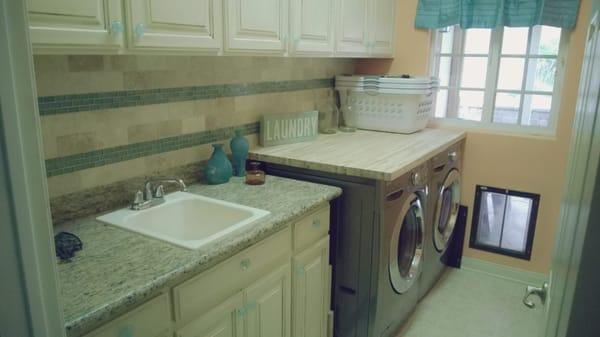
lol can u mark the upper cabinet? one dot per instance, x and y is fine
(312, 27)
(93, 25)
(175, 24)
(352, 28)
(365, 28)
(340, 28)
(259, 26)
(383, 27)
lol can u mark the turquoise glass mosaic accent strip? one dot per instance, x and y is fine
(77, 162)
(50, 105)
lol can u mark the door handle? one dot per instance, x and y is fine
(541, 292)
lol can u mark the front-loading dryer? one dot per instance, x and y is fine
(400, 250)
(444, 202)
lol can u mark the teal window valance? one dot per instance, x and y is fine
(495, 13)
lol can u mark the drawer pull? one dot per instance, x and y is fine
(300, 271)
(250, 306)
(126, 331)
(116, 27)
(139, 30)
(245, 264)
(316, 223)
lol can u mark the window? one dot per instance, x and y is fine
(504, 221)
(501, 78)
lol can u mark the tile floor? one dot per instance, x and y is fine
(468, 303)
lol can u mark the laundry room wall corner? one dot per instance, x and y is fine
(518, 162)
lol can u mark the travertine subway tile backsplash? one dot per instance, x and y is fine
(81, 132)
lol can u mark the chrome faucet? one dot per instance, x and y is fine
(154, 193)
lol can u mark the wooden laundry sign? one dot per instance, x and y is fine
(287, 128)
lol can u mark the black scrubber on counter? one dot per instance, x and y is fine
(66, 245)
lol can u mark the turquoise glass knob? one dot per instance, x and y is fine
(250, 306)
(245, 264)
(139, 30)
(316, 223)
(116, 27)
(126, 331)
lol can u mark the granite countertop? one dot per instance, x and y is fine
(365, 154)
(118, 270)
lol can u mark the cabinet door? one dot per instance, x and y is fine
(258, 26)
(176, 24)
(152, 319)
(311, 289)
(268, 305)
(312, 27)
(224, 320)
(91, 24)
(382, 27)
(352, 28)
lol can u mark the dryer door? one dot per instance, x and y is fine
(446, 211)
(406, 246)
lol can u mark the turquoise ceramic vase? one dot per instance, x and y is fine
(218, 169)
(239, 151)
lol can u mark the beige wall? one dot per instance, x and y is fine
(412, 46)
(532, 164)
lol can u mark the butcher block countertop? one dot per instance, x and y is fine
(365, 154)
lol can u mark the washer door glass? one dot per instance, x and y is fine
(407, 246)
(447, 210)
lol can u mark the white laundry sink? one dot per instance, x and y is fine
(187, 220)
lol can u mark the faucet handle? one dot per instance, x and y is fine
(138, 199)
(160, 192)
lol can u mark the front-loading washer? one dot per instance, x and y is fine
(401, 245)
(444, 201)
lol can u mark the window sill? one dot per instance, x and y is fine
(495, 129)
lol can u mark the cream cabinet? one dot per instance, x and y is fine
(278, 287)
(312, 24)
(268, 305)
(352, 34)
(152, 319)
(256, 26)
(72, 26)
(175, 24)
(365, 28)
(312, 289)
(382, 28)
(260, 310)
(224, 320)
(340, 28)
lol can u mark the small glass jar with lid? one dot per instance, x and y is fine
(254, 175)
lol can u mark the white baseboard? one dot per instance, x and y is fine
(509, 273)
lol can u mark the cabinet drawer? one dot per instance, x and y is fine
(152, 319)
(203, 292)
(311, 228)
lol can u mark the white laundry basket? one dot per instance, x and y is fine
(386, 103)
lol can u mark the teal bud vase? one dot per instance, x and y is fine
(239, 151)
(218, 169)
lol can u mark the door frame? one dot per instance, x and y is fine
(34, 287)
(577, 197)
